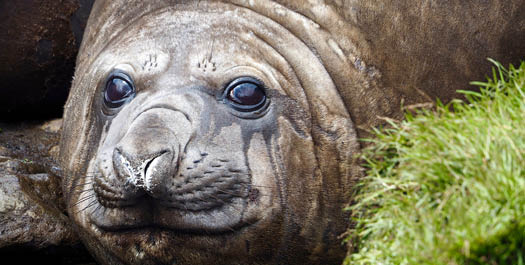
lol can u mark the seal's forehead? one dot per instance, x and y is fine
(179, 31)
(173, 23)
(211, 46)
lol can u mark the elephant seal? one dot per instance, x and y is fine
(225, 132)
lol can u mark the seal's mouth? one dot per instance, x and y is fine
(210, 195)
(148, 213)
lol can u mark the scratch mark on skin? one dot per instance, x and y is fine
(207, 64)
(150, 63)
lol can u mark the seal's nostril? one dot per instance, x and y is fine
(150, 161)
(142, 170)
(147, 165)
(122, 164)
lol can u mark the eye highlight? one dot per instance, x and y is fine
(245, 94)
(119, 89)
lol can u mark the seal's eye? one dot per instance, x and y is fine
(246, 94)
(119, 89)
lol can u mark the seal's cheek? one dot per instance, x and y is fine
(301, 177)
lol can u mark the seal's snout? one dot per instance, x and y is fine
(146, 158)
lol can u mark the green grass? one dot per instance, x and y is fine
(447, 187)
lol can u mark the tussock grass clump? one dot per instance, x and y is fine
(447, 187)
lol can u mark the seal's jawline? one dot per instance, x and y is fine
(163, 229)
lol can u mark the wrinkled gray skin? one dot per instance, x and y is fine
(178, 176)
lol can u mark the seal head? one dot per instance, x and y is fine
(206, 133)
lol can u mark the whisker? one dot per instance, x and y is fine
(82, 191)
(223, 191)
(88, 206)
(83, 200)
(269, 187)
(96, 209)
(80, 187)
(89, 197)
(82, 184)
(219, 199)
(258, 186)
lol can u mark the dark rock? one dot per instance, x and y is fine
(39, 41)
(34, 226)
